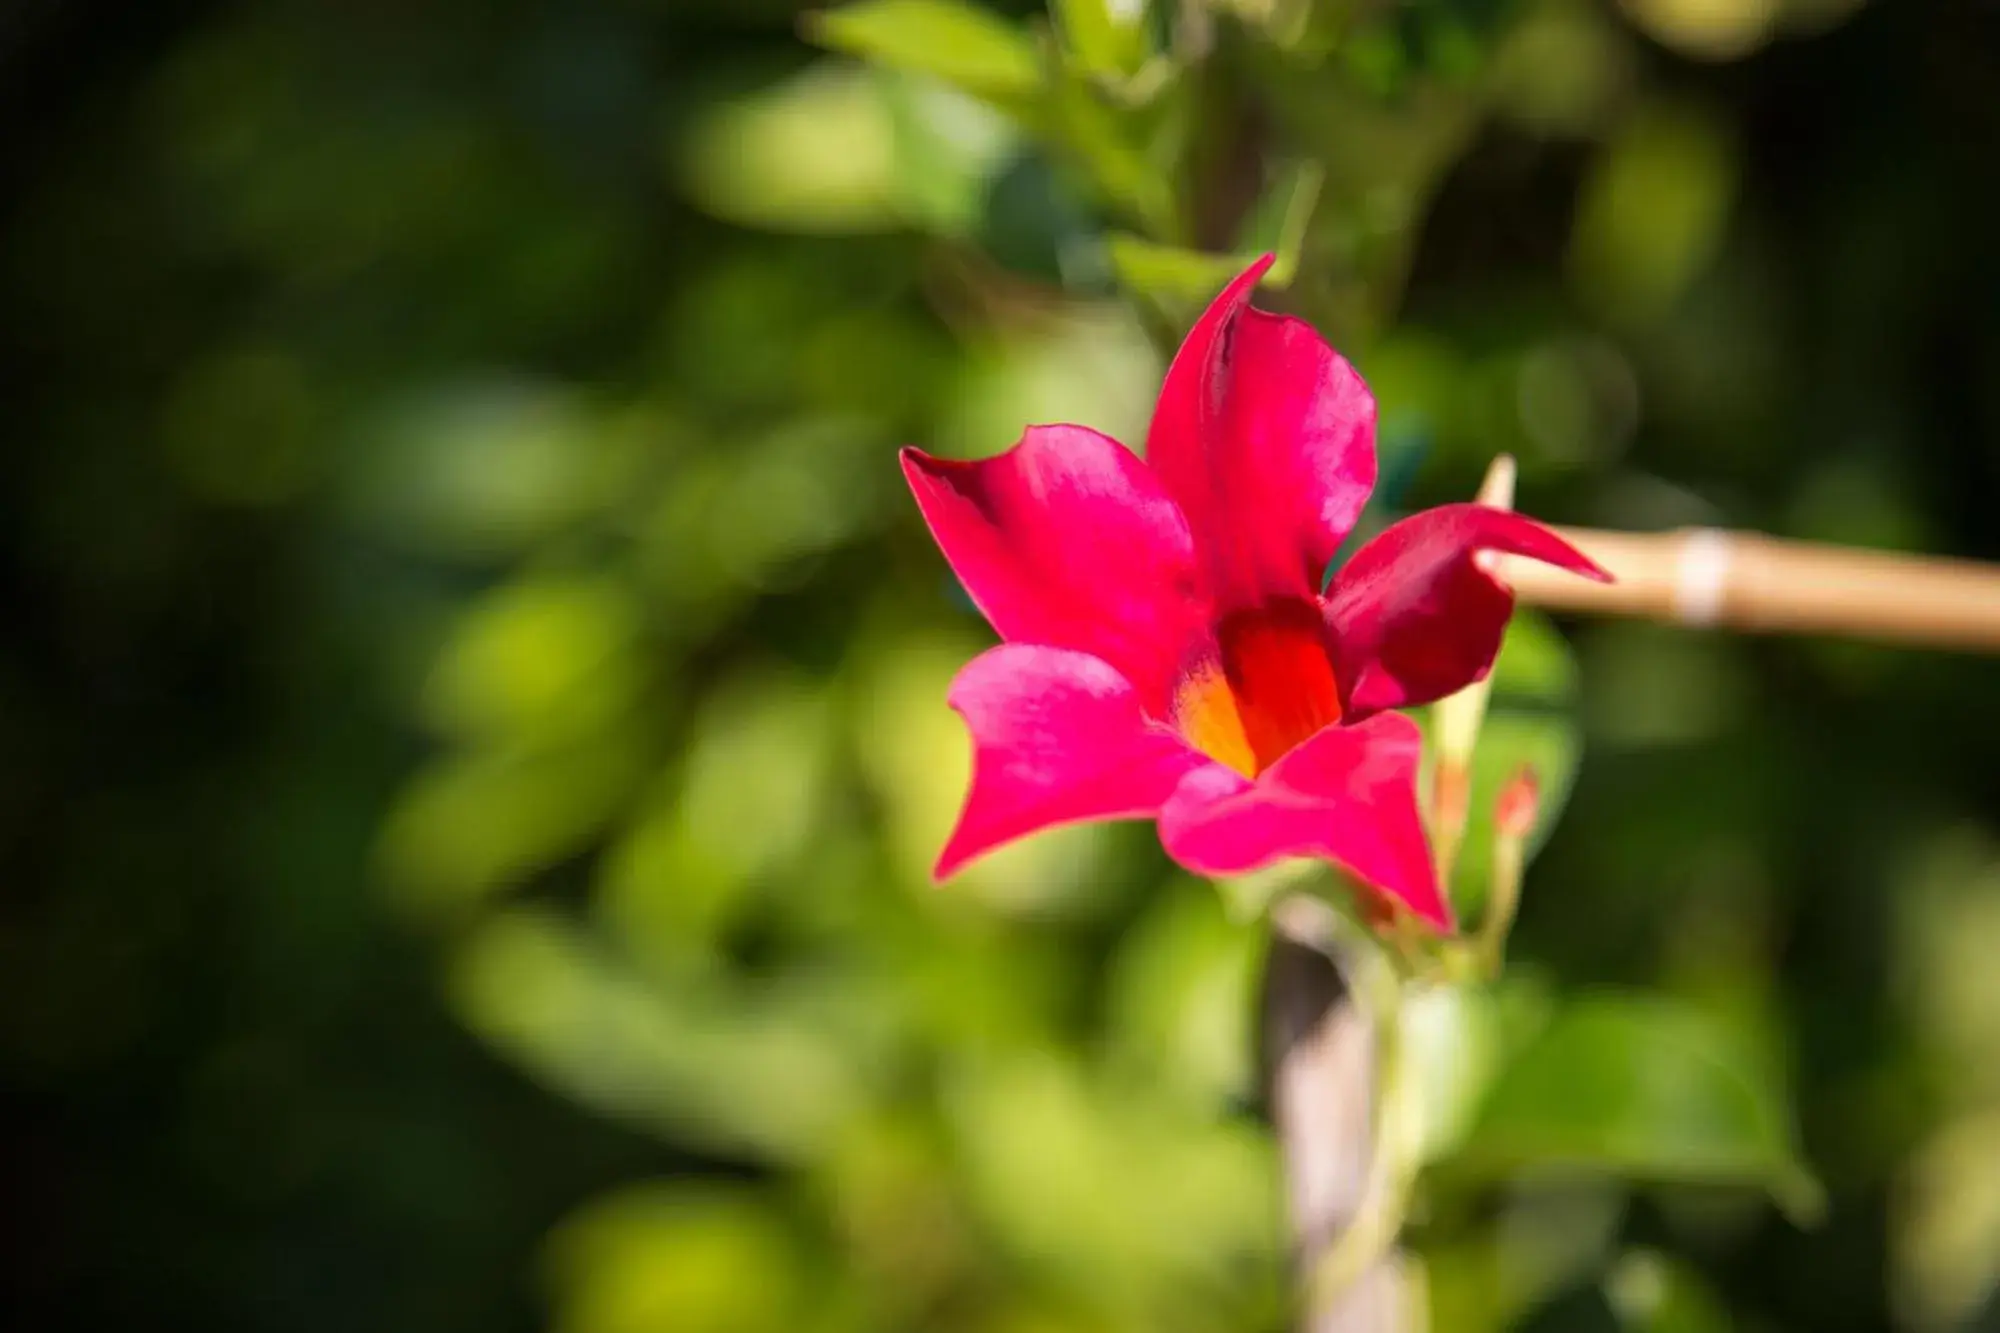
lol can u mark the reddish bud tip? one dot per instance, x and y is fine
(1514, 812)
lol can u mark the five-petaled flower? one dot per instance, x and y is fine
(1168, 650)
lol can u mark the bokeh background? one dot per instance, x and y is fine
(471, 700)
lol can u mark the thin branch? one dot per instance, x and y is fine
(1320, 1077)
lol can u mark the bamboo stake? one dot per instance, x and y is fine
(1749, 582)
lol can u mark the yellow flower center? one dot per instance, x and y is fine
(1269, 686)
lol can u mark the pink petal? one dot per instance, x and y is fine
(1266, 438)
(1349, 795)
(1412, 616)
(1058, 737)
(1067, 539)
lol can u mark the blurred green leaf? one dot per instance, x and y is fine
(815, 154)
(479, 821)
(1944, 1235)
(1560, 68)
(1706, 31)
(1657, 686)
(1092, 365)
(964, 45)
(1653, 210)
(1549, 1238)
(1170, 275)
(1184, 982)
(772, 1072)
(540, 659)
(1651, 1293)
(1146, 1211)
(1451, 1040)
(1107, 37)
(950, 150)
(1643, 1087)
(1283, 213)
(698, 1258)
(1173, 276)
(1119, 150)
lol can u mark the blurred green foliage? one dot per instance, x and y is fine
(473, 702)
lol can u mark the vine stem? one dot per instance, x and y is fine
(1330, 1044)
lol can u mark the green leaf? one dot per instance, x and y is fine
(1170, 274)
(1653, 210)
(1278, 223)
(1450, 1043)
(1174, 276)
(1646, 1088)
(1115, 147)
(950, 150)
(1183, 979)
(960, 43)
(1106, 38)
(768, 1071)
(1651, 1293)
(541, 658)
(479, 821)
(699, 1257)
(815, 154)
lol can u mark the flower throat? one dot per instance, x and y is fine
(1270, 685)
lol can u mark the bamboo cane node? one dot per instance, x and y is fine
(1701, 577)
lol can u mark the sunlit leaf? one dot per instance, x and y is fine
(815, 153)
(1105, 37)
(1172, 274)
(1708, 29)
(697, 1257)
(547, 658)
(963, 44)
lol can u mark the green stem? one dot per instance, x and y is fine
(1502, 901)
(1374, 1230)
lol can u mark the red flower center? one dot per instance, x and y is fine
(1270, 686)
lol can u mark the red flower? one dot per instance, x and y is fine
(1168, 652)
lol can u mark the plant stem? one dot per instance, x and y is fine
(1503, 899)
(1385, 1200)
(1325, 1049)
